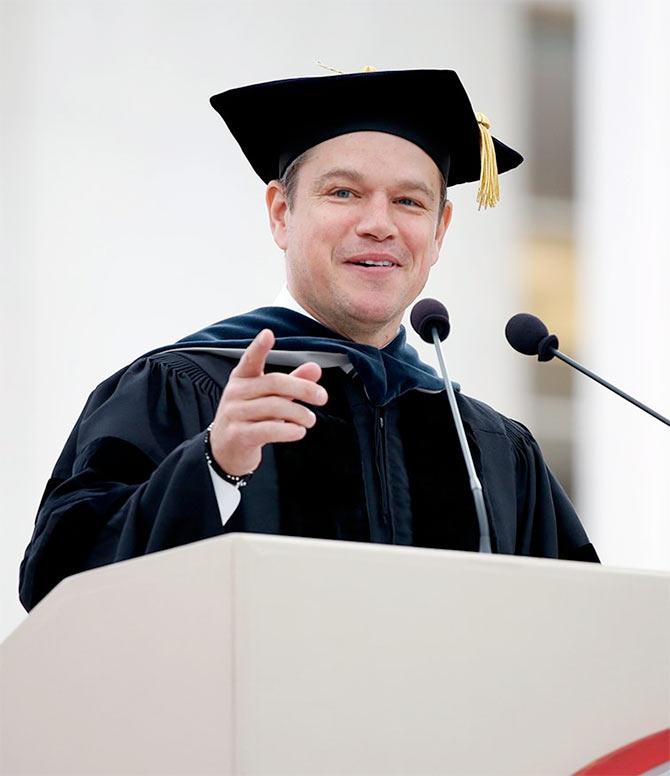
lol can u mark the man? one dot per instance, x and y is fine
(313, 417)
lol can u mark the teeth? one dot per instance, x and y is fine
(376, 263)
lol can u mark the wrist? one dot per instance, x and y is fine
(238, 480)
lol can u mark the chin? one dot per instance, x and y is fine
(376, 312)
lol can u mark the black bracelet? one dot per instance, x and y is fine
(238, 480)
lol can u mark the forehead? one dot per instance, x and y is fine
(377, 155)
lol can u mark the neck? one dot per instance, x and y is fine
(377, 336)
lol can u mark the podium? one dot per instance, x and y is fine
(251, 654)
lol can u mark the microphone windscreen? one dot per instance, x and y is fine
(429, 314)
(525, 332)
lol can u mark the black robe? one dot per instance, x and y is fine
(382, 464)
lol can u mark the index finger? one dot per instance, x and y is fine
(252, 362)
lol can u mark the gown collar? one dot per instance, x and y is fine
(386, 373)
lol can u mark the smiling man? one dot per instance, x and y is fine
(363, 230)
(313, 417)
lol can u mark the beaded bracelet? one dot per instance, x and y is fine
(238, 480)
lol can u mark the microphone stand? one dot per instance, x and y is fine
(475, 484)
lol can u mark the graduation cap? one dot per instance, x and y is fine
(430, 108)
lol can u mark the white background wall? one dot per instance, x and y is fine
(624, 180)
(130, 217)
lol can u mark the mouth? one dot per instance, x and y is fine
(374, 261)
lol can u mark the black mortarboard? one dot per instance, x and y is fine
(427, 107)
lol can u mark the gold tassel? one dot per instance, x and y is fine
(489, 183)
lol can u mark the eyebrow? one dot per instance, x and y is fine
(408, 184)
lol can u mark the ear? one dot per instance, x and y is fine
(442, 226)
(277, 205)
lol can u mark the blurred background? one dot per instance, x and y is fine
(130, 217)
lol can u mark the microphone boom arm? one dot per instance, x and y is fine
(475, 484)
(604, 382)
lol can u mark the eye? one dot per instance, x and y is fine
(342, 193)
(408, 201)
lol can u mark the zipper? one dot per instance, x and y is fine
(382, 468)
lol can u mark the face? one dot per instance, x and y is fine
(363, 232)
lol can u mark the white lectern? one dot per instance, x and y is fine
(269, 655)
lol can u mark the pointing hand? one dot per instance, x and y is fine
(258, 408)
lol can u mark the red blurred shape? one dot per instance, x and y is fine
(633, 759)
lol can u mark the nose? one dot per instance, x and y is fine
(376, 219)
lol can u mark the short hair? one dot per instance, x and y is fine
(289, 182)
(289, 178)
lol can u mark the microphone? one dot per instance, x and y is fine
(430, 320)
(528, 335)
(428, 314)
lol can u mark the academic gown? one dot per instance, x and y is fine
(381, 464)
